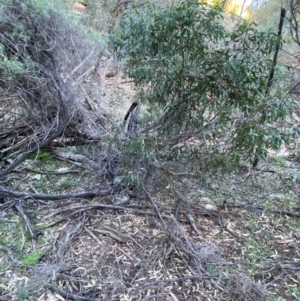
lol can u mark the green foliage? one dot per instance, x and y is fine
(279, 159)
(33, 257)
(209, 83)
(10, 63)
(24, 294)
(44, 25)
(66, 183)
(41, 155)
(10, 66)
(295, 290)
(135, 151)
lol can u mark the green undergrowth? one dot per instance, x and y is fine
(15, 238)
(33, 257)
(46, 175)
(18, 251)
(49, 175)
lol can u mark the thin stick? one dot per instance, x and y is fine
(18, 206)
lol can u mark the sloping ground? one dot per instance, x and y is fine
(120, 248)
(235, 239)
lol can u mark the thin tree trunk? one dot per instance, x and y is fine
(272, 71)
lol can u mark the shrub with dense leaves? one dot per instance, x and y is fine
(205, 85)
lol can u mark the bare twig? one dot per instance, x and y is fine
(8, 251)
(92, 235)
(18, 206)
(224, 226)
(157, 212)
(192, 222)
(111, 234)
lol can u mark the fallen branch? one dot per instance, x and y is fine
(111, 234)
(295, 266)
(263, 209)
(77, 159)
(284, 212)
(223, 225)
(156, 283)
(4, 192)
(48, 171)
(156, 211)
(92, 235)
(66, 295)
(19, 208)
(9, 253)
(192, 222)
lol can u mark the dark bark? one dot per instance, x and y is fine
(272, 71)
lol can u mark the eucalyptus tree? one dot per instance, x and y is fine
(204, 85)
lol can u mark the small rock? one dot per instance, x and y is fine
(208, 204)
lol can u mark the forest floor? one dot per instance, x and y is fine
(115, 247)
(235, 238)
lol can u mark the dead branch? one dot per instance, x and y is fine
(111, 234)
(223, 224)
(92, 235)
(71, 296)
(49, 171)
(294, 20)
(18, 206)
(8, 251)
(82, 208)
(263, 209)
(38, 104)
(192, 222)
(155, 283)
(4, 193)
(240, 287)
(79, 160)
(155, 208)
(295, 266)
(93, 51)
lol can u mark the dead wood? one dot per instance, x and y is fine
(77, 159)
(259, 209)
(39, 104)
(83, 208)
(19, 208)
(241, 288)
(71, 296)
(295, 266)
(4, 193)
(48, 171)
(178, 279)
(9, 253)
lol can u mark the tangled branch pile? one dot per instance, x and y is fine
(40, 51)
